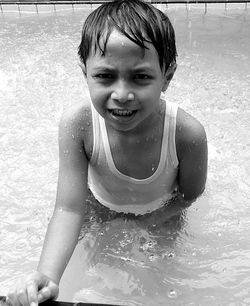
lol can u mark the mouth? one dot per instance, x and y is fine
(122, 113)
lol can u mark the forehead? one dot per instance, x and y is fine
(121, 48)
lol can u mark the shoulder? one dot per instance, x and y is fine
(76, 125)
(76, 116)
(191, 147)
(189, 132)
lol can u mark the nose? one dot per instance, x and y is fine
(122, 93)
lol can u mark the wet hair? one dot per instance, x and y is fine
(139, 21)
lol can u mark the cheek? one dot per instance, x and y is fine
(98, 96)
(94, 90)
(95, 96)
(151, 93)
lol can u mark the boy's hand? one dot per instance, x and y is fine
(33, 290)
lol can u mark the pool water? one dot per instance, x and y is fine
(199, 258)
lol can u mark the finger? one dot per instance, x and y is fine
(11, 300)
(44, 295)
(22, 296)
(7, 300)
(48, 292)
(32, 292)
(54, 288)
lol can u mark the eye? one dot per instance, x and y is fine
(103, 76)
(142, 76)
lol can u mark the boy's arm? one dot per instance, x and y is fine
(66, 222)
(191, 145)
(65, 225)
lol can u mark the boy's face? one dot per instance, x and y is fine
(125, 84)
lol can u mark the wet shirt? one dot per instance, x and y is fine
(126, 194)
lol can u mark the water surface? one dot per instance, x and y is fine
(200, 258)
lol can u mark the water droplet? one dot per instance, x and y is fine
(172, 294)
(123, 243)
(152, 257)
(171, 255)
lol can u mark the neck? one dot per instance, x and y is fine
(147, 128)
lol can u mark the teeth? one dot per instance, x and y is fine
(121, 112)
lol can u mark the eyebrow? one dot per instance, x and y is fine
(103, 67)
(139, 69)
(144, 69)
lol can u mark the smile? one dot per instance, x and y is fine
(122, 112)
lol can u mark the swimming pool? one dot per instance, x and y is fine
(201, 258)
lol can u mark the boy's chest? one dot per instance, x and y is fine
(137, 158)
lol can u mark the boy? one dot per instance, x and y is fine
(132, 149)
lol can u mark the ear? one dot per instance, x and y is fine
(169, 75)
(83, 67)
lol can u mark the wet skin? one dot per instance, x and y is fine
(125, 84)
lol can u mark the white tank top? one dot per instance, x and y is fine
(122, 193)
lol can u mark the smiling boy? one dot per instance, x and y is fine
(131, 148)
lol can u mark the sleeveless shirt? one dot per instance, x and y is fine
(122, 193)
